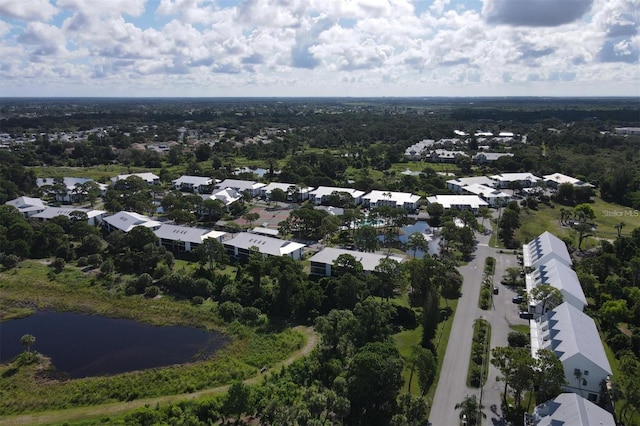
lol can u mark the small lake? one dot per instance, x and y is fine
(424, 228)
(259, 171)
(83, 345)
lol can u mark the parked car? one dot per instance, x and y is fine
(526, 315)
(517, 299)
(496, 290)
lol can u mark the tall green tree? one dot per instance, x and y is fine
(27, 341)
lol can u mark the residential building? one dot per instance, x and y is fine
(270, 232)
(404, 200)
(570, 409)
(444, 156)
(543, 248)
(414, 152)
(494, 197)
(293, 191)
(241, 185)
(573, 336)
(457, 184)
(239, 246)
(126, 221)
(227, 196)
(322, 262)
(27, 206)
(526, 180)
(150, 178)
(560, 276)
(195, 184)
(94, 217)
(184, 238)
(320, 194)
(557, 179)
(70, 190)
(489, 157)
(459, 202)
(627, 131)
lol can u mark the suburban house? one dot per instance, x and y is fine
(270, 232)
(291, 189)
(227, 196)
(489, 157)
(459, 202)
(150, 178)
(28, 206)
(404, 200)
(627, 131)
(322, 262)
(241, 185)
(572, 335)
(526, 180)
(319, 195)
(126, 221)
(239, 246)
(195, 184)
(557, 179)
(184, 238)
(494, 197)
(569, 409)
(94, 217)
(72, 190)
(444, 156)
(543, 248)
(456, 185)
(560, 276)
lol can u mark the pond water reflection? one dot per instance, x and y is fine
(82, 345)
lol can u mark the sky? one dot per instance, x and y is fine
(337, 48)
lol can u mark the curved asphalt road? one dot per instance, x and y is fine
(452, 387)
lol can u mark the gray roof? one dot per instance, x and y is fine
(266, 245)
(193, 180)
(543, 247)
(560, 276)
(465, 181)
(239, 184)
(571, 409)
(369, 261)
(126, 221)
(25, 204)
(571, 332)
(185, 233)
(51, 212)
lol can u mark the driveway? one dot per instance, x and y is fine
(452, 387)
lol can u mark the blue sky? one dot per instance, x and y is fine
(319, 48)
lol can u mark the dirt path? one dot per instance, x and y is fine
(116, 408)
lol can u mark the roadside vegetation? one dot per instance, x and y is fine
(480, 349)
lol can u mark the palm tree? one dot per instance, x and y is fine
(27, 341)
(470, 409)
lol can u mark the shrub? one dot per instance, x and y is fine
(151, 291)
(197, 300)
(230, 311)
(82, 262)
(250, 315)
(94, 259)
(474, 376)
(517, 339)
(58, 264)
(10, 261)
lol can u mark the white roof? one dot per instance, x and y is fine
(286, 187)
(569, 332)
(399, 197)
(543, 248)
(485, 191)
(369, 261)
(239, 184)
(227, 196)
(466, 181)
(51, 212)
(266, 245)
(492, 156)
(559, 178)
(323, 191)
(455, 201)
(558, 275)
(193, 180)
(147, 177)
(27, 204)
(512, 177)
(126, 221)
(186, 233)
(265, 231)
(571, 409)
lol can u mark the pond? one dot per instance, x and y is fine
(83, 346)
(259, 171)
(423, 227)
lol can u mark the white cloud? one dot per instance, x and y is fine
(32, 10)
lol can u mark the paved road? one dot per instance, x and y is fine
(452, 383)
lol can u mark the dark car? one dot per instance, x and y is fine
(517, 299)
(526, 315)
(495, 290)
